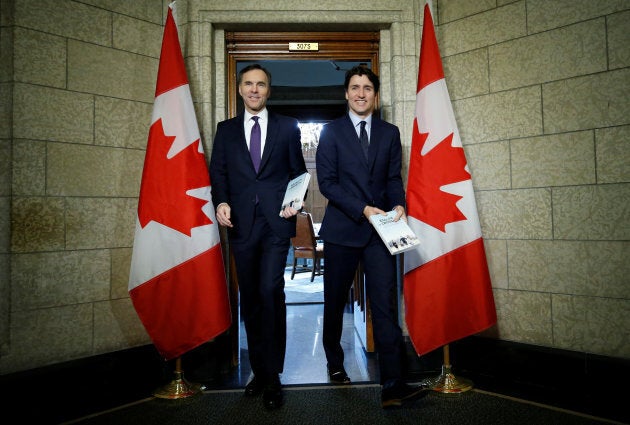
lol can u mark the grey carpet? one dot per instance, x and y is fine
(354, 404)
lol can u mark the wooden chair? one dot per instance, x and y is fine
(305, 246)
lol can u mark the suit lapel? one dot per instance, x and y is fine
(375, 139)
(350, 134)
(270, 140)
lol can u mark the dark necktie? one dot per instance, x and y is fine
(254, 144)
(363, 138)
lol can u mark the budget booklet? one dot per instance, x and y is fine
(397, 235)
(296, 190)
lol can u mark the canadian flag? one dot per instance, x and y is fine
(177, 279)
(447, 288)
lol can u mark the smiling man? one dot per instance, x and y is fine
(359, 172)
(254, 156)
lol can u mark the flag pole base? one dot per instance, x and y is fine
(178, 388)
(447, 383)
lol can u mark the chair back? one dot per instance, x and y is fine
(304, 234)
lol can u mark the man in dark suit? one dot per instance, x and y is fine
(253, 158)
(359, 172)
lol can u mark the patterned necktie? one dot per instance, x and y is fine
(363, 138)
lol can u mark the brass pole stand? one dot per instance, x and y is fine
(447, 383)
(178, 387)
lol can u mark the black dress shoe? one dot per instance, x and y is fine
(254, 387)
(338, 376)
(401, 393)
(272, 395)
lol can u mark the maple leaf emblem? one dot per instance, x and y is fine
(165, 181)
(442, 165)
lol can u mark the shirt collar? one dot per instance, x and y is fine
(356, 119)
(264, 114)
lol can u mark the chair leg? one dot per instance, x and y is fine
(294, 265)
(313, 274)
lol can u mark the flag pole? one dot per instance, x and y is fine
(178, 387)
(447, 383)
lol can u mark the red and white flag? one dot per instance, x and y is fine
(177, 281)
(447, 288)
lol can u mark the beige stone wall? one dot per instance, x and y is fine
(540, 89)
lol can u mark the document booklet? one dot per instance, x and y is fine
(396, 235)
(296, 191)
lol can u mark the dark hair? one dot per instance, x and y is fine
(249, 68)
(362, 70)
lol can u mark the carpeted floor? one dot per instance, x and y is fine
(355, 404)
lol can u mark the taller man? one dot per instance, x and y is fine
(253, 158)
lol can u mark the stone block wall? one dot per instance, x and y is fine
(540, 90)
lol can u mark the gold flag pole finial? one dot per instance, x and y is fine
(447, 383)
(178, 387)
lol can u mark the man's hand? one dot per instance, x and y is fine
(400, 213)
(224, 214)
(369, 211)
(288, 212)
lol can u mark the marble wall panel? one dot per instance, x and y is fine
(43, 113)
(524, 316)
(100, 222)
(452, 10)
(592, 212)
(563, 53)
(5, 224)
(618, 37)
(48, 336)
(612, 146)
(148, 10)
(6, 106)
(117, 326)
(592, 325)
(122, 123)
(496, 255)
(466, 74)
(544, 14)
(66, 18)
(37, 224)
(29, 168)
(39, 58)
(462, 35)
(499, 116)
(53, 279)
(6, 150)
(593, 101)
(109, 72)
(5, 300)
(599, 269)
(555, 160)
(489, 165)
(6, 54)
(516, 214)
(121, 266)
(80, 170)
(137, 36)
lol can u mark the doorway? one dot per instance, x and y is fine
(308, 71)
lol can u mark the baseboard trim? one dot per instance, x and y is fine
(572, 380)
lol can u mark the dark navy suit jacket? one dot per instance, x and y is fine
(350, 183)
(235, 181)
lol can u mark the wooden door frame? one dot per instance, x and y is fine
(259, 46)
